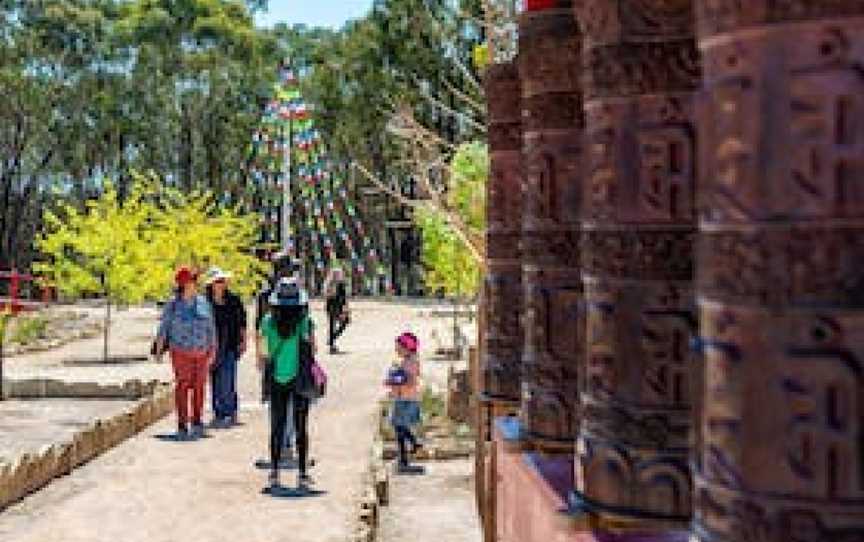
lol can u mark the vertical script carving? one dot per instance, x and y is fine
(781, 285)
(549, 63)
(638, 238)
(503, 282)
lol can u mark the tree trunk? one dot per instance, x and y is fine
(4, 321)
(107, 331)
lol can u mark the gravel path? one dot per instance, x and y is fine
(153, 490)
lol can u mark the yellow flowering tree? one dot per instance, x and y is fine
(192, 229)
(127, 253)
(103, 249)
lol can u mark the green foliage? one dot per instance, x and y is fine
(5, 318)
(411, 52)
(101, 88)
(432, 404)
(129, 252)
(449, 264)
(27, 329)
(469, 173)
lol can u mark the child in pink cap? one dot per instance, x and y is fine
(403, 380)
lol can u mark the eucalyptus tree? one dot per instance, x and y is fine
(95, 89)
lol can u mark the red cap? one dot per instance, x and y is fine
(185, 275)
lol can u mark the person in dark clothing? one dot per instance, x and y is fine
(230, 317)
(336, 292)
(283, 267)
(283, 330)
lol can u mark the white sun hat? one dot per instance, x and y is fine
(214, 274)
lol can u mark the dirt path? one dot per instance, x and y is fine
(437, 506)
(158, 491)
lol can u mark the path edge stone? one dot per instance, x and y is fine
(30, 472)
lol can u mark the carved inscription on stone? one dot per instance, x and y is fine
(780, 283)
(818, 145)
(550, 65)
(503, 286)
(638, 245)
(715, 16)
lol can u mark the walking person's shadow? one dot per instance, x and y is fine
(285, 464)
(174, 437)
(282, 492)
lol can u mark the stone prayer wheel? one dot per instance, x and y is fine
(503, 286)
(633, 451)
(550, 65)
(781, 271)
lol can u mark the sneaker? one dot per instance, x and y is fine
(182, 432)
(273, 479)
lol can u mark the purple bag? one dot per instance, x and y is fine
(319, 377)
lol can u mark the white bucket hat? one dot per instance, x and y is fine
(215, 274)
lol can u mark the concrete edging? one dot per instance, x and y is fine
(33, 471)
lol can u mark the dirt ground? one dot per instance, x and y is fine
(155, 490)
(27, 426)
(437, 506)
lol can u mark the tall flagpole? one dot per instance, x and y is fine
(287, 202)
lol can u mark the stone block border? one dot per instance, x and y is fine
(440, 445)
(32, 471)
(375, 494)
(47, 388)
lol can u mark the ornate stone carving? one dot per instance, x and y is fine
(549, 63)
(631, 68)
(820, 140)
(503, 288)
(664, 254)
(638, 241)
(716, 16)
(783, 266)
(780, 279)
(635, 21)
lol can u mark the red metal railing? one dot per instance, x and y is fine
(13, 303)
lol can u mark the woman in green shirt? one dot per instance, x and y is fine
(283, 330)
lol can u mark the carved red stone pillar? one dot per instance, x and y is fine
(781, 271)
(503, 295)
(549, 64)
(638, 218)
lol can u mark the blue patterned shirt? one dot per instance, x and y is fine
(188, 325)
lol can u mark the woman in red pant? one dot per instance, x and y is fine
(188, 331)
